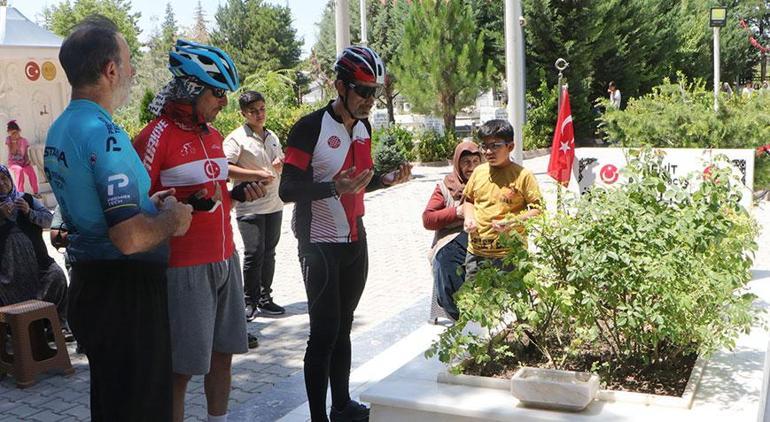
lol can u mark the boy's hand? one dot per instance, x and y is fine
(460, 211)
(278, 165)
(503, 225)
(469, 225)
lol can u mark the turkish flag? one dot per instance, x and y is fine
(563, 146)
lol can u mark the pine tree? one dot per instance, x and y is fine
(385, 33)
(440, 65)
(199, 31)
(168, 30)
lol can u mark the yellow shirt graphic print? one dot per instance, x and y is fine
(496, 194)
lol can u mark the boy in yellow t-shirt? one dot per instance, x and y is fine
(499, 196)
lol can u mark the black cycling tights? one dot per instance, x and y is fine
(335, 275)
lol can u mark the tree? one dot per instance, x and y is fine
(61, 18)
(385, 34)
(440, 65)
(199, 32)
(257, 35)
(169, 30)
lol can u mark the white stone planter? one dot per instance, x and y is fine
(682, 402)
(554, 389)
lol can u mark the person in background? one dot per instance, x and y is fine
(444, 214)
(18, 158)
(26, 270)
(614, 92)
(253, 153)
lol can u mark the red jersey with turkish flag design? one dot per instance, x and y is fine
(188, 158)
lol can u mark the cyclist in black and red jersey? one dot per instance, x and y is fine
(328, 167)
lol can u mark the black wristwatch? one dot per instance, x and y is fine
(333, 190)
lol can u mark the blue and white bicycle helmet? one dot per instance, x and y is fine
(208, 64)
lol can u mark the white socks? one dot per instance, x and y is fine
(222, 418)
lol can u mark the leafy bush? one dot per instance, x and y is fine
(762, 172)
(395, 135)
(541, 116)
(681, 115)
(434, 146)
(648, 272)
(387, 156)
(145, 115)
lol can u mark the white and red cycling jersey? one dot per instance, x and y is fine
(319, 148)
(189, 157)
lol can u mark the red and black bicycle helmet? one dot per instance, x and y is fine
(358, 63)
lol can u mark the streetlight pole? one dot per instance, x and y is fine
(717, 76)
(514, 72)
(364, 38)
(342, 22)
(718, 19)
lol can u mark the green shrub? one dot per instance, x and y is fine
(681, 115)
(434, 146)
(397, 136)
(647, 272)
(762, 172)
(145, 115)
(387, 156)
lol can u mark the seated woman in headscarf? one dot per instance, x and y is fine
(26, 270)
(444, 214)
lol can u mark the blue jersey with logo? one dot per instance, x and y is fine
(98, 179)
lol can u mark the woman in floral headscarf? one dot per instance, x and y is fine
(444, 214)
(26, 270)
(18, 158)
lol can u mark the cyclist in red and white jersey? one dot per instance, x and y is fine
(181, 150)
(328, 167)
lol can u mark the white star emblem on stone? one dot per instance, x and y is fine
(565, 147)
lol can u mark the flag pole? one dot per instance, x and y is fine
(560, 65)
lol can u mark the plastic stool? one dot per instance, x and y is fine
(31, 354)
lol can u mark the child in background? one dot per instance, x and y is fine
(499, 196)
(18, 158)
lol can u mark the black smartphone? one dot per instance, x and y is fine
(201, 204)
(239, 192)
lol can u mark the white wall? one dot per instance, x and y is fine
(34, 104)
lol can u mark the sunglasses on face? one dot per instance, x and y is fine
(492, 146)
(218, 92)
(364, 91)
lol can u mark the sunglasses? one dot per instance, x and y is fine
(364, 91)
(217, 92)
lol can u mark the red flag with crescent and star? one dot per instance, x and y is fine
(563, 146)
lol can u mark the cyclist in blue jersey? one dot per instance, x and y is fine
(117, 303)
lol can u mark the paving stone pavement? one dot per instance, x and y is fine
(399, 277)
